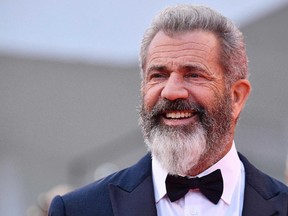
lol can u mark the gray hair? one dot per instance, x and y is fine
(183, 18)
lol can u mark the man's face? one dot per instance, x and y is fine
(182, 67)
(184, 98)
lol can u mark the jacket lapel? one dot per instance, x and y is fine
(262, 195)
(134, 195)
(138, 202)
(255, 204)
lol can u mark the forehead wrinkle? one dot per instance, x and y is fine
(188, 57)
(178, 48)
(179, 44)
(190, 62)
(191, 51)
(157, 51)
(182, 50)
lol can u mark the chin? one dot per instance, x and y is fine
(177, 151)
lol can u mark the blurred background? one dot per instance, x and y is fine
(69, 89)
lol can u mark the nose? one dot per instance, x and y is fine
(174, 88)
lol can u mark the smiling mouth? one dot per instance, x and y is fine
(178, 114)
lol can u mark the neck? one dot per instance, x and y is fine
(209, 158)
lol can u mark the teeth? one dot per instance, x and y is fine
(177, 115)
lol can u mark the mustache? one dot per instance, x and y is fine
(164, 105)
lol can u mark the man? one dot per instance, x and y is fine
(194, 86)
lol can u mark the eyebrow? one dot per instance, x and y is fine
(193, 67)
(187, 67)
(156, 68)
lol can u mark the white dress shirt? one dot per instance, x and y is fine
(196, 204)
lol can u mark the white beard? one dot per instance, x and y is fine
(177, 151)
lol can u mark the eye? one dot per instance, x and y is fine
(197, 77)
(194, 72)
(157, 76)
(193, 75)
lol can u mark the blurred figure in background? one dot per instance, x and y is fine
(44, 200)
(286, 171)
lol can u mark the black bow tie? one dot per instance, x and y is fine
(210, 186)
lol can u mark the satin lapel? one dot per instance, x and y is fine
(140, 201)
(255, 204)
(263, 195)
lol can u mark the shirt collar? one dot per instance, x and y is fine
(230, 166)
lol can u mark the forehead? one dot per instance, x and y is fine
(199, 46)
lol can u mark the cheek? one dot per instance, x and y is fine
(202, 95)
(151, 96)
(205, 97)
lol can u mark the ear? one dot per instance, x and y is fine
(142, 88)
(240, 92)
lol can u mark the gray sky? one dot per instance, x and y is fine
(97, 30)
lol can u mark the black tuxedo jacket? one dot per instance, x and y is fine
(130, 193)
